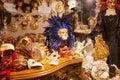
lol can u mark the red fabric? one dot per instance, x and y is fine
(8, 65)
(118, 6)
(14, 56)
(104, 5)
(5, 73)
(63, 50)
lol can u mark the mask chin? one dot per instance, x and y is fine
(64, 37)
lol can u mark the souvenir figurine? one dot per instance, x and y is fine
(108, 21)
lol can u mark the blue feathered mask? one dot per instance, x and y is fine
(51, 32)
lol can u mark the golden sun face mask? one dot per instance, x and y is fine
(63, 34)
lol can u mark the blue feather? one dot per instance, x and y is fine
(51, 32)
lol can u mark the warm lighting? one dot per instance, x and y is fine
(72, 3)
(89, 0)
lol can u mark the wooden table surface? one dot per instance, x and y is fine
(47, 69)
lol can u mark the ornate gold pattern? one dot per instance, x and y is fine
(101, 49)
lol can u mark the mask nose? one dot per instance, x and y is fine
(112, 3)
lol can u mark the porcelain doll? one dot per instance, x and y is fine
(108, 24)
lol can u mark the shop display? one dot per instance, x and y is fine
(38, 35)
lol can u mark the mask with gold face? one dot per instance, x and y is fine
(34, 4)
(59, 32)
(59, 7)
(63, 34)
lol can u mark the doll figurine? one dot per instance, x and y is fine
(108, 24)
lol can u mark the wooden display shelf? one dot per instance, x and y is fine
(48, 70)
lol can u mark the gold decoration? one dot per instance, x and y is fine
(33, 25)
(12, 27)
(34, 4)
(101, 50)
(59, 7)
(63, 33)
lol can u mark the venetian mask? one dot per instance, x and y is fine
(59, 7)
(33, 64)
(34, 4)
(63, 34)
(33, 25)
(111, 3)
(20, 3)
